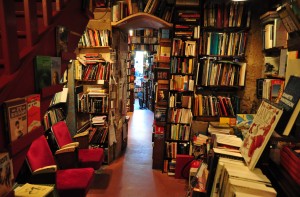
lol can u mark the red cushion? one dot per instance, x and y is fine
(91, 157)
(74, 182)
(61, 133)
(39, 154)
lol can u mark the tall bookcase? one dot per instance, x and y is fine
(91, 90)
(222, 64)
(183, 61)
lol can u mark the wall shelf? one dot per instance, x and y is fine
(141, 20)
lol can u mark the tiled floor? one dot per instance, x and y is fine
(132, 174)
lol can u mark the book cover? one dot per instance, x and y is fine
(271, 65)
(260, 132)
(47, 71)
(16, 118)
(33, 190)
(288, 102)
(33, 111)
(6, 174)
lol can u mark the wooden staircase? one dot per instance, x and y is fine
(27, 29)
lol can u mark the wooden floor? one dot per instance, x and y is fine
(132, 174)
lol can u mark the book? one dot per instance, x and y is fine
(6, 174)
(60, 97)
(292, 120)
(271, 65)
(47, 71)
(33, 190)
(33, 111)
(289, 19)
(16, 118)
(288, 102)
(259, 133)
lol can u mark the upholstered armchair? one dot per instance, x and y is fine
(87, 157)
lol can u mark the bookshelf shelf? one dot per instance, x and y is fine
(141, 20)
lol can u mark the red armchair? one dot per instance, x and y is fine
(86, 157)
(69, 182)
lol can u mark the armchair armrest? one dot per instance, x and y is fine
(45, 175)
(76, 144)
(83, 139)
(67, 157)
(46, 169)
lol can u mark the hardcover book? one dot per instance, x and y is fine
(6, 174)
(16, 118)
(288, 102)
(47, 71)
(33, 111)
(260, 132)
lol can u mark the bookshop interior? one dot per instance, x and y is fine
(150, 98)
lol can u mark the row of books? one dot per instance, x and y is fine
(159, 8)
(225, 44)
(182, 65)
(95, 38)
(179, 132)
(183, 48)
(142, 40)
(180, 115)
(53, 116)
(188, 16)
(60, 97)
(119, 11)
(275, 34)
(145, 32)
(233, 14)
(187, 31)
(272, 89)
(209, 105)
(222, 73)
(98, 135)
(143, 47)
(181, 83)
(21, 116)
(92, 71)
(174, 148)
(179, 100)
(92, 103)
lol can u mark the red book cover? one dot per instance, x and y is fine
(33, 111)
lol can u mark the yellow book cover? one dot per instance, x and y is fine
(33, 190)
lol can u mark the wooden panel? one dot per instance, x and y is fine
(141, 20)
(47, 12)
(31, 23)
(9, 39)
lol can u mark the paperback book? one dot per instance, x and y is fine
(260, 132)
(16, 118)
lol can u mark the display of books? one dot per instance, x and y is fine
(260, 132)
